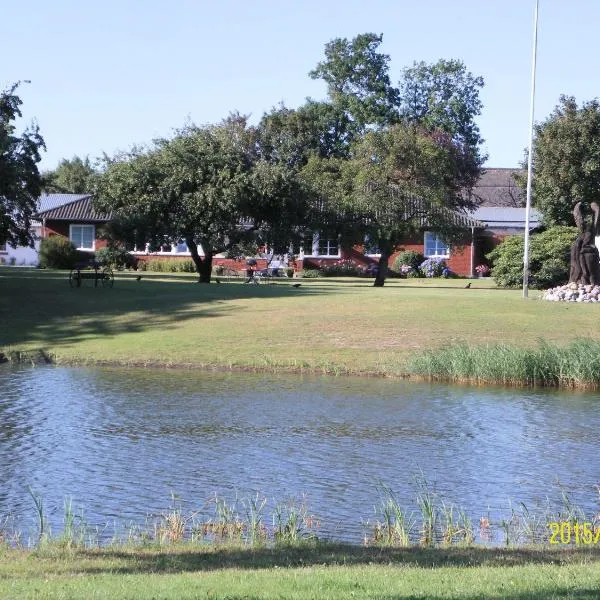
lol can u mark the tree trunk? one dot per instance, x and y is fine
(383, 268)
(203, 265)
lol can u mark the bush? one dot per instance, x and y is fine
(549, 258)
(170, 265)
(311, 273)
(342, 268)
(116, 257)
(410, 258)
(434, 267)
(57, 252)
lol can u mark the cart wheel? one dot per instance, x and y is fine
(108, 277)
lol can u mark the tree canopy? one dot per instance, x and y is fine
(566, 160)
(208, 187)
(397, 180)
(20, 180)
(74, 176)
(444, 96)
(357, 79)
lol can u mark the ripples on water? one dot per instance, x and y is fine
(120, 442)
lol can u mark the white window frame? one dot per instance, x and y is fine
(314, 251)
(438, 243)
(71, 237)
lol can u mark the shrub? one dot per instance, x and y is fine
(116, 257)
(549, 258)
(170, 265)
(57, 252)
(434, 267)
(342, 268)
(311, 273)
(410, 258)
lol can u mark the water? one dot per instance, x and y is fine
(121, 442)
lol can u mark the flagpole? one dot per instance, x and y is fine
(530, 158)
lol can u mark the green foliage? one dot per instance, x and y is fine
(566, 159)
(75, 176)
(57, 252)
(444, 96)
(411, 258)
(357, 79)
(169, 265)
(20, 180)
(577, 365)
(549, 258)
(116, 257)
(290, 136)
(207, 186)
(311, 273)
(396, 178)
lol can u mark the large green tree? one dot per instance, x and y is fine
(74, 176)
(566, 160)
(290, 136)
(397, 180)
(20, 180)
(207, 186)
(444, 96)
(357, 78)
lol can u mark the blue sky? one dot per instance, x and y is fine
(108, 75)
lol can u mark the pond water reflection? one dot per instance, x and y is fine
(120, 442)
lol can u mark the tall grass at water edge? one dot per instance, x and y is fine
(576, 365)
(252, 522)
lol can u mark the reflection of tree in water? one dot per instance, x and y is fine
(585, 258)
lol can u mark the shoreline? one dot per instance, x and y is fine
(41, 357)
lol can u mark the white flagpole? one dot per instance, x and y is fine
(530, 158)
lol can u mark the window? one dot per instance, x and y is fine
(435, 246)
(327, 246)
(83, 236)
(3, 248)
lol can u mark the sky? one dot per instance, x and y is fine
(105, 76)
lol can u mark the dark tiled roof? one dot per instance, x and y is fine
(48, 201)
(424, 213)
(78, 210)
(497, 187)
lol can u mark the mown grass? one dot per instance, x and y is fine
(318, 571)
(329, 326)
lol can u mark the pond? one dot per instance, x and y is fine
(121, 443)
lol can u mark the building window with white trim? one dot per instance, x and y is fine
(83, 236)
(435, 247)
(327, 246)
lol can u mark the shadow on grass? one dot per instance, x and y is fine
(40, 308)
(172, 559)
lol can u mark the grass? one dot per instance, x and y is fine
(576, 365)
(326, 325)
(317, 571)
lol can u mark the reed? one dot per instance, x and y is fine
(436, 523)
(576, 365)
(396, 527)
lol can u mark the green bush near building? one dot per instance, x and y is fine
(549, 258)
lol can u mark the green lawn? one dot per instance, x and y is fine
(328, 571)
(329, 325)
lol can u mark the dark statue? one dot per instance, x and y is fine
(585, 258)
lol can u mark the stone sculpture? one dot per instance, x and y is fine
(585, 258)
